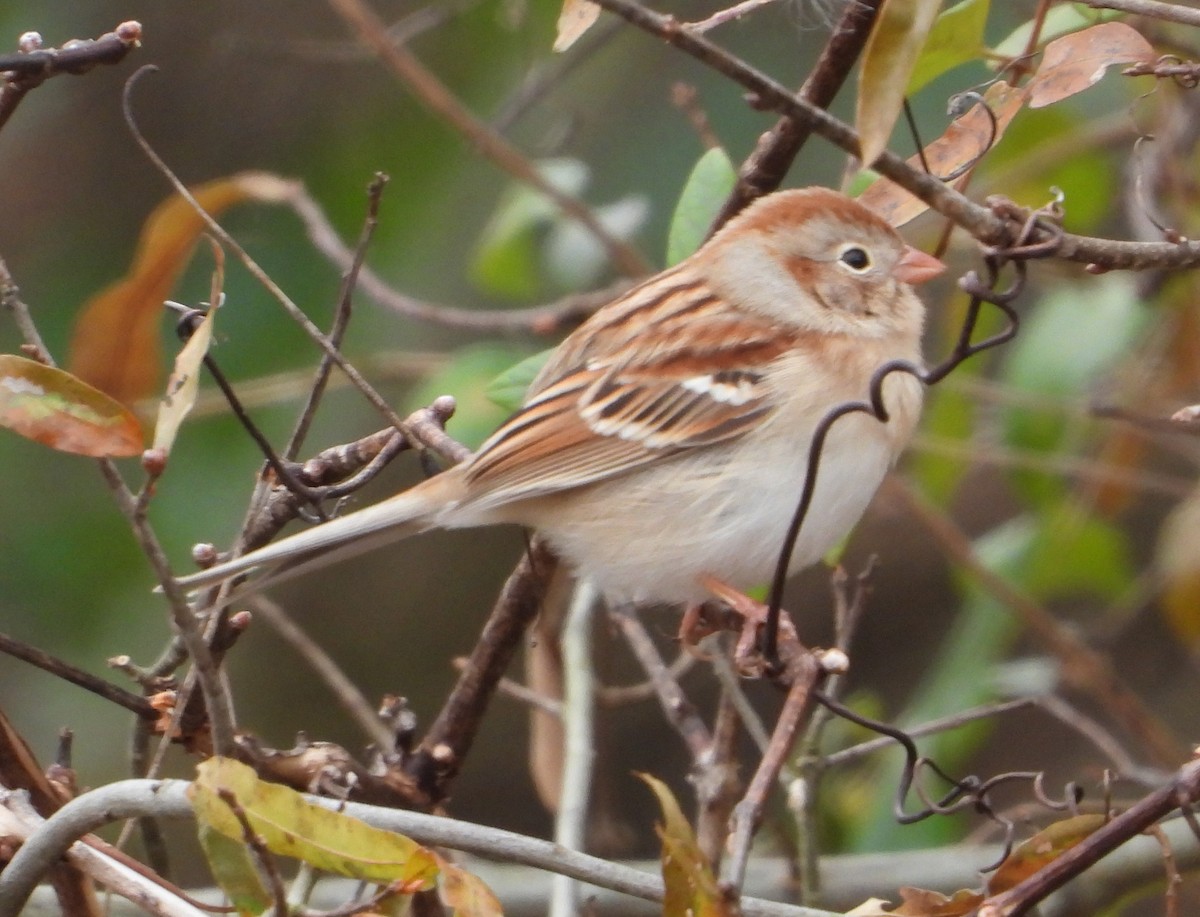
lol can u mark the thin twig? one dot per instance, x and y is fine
(805, 675)
(728, 14)
(542, 320)
(989, 227)
(341, 317)
(345, 692)
(372, 31)
(579, 746)
(76, 676)
(679, 711)
(1086, 669)
(1168, 12)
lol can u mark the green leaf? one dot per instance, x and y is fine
(1076, 556)
(506, 258)
(1065, 346)
(956, 38)
(291, 826)
(508, 389)
(887, 65)
(235, 872)
(469, 376)
(709, 184)
(574, 257)
(61, 411)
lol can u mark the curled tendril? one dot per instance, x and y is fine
(980, 292)
(959, 104)
(968, 793)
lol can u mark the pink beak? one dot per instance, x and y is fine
(916, 267)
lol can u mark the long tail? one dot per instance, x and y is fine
(396, 518)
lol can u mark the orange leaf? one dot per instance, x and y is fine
(965, 140)
(116, 346)
(1043, 848)
(465, 893)
(921, 903)
(56, 409)
(917, 902)
(1074, 62)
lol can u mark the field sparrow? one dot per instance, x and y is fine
(667, 437)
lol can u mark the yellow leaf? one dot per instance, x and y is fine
(888, 60)
(115, 346)
(691, 887)
(291, 826)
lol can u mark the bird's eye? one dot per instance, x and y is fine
(855, 258)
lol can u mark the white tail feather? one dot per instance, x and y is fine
(396, 518)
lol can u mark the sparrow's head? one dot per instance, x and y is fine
(817, 259)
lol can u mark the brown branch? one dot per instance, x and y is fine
(1183, 790)
(983, 223)
(543, 320)
(442, 751)
(341, 319)
(372, 31)
(765, 168)
(33, 64)
(86, 680)
(1170, 12)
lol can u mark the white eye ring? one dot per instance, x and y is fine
(856, 258)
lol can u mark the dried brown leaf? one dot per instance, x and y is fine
(1041, 849)
(965, 140)
(1074, 62)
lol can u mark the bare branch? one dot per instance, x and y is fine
(372, 31)
(1169, 12)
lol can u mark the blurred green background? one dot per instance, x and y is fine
(280, 86)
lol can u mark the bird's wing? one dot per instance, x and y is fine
(686, 374)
